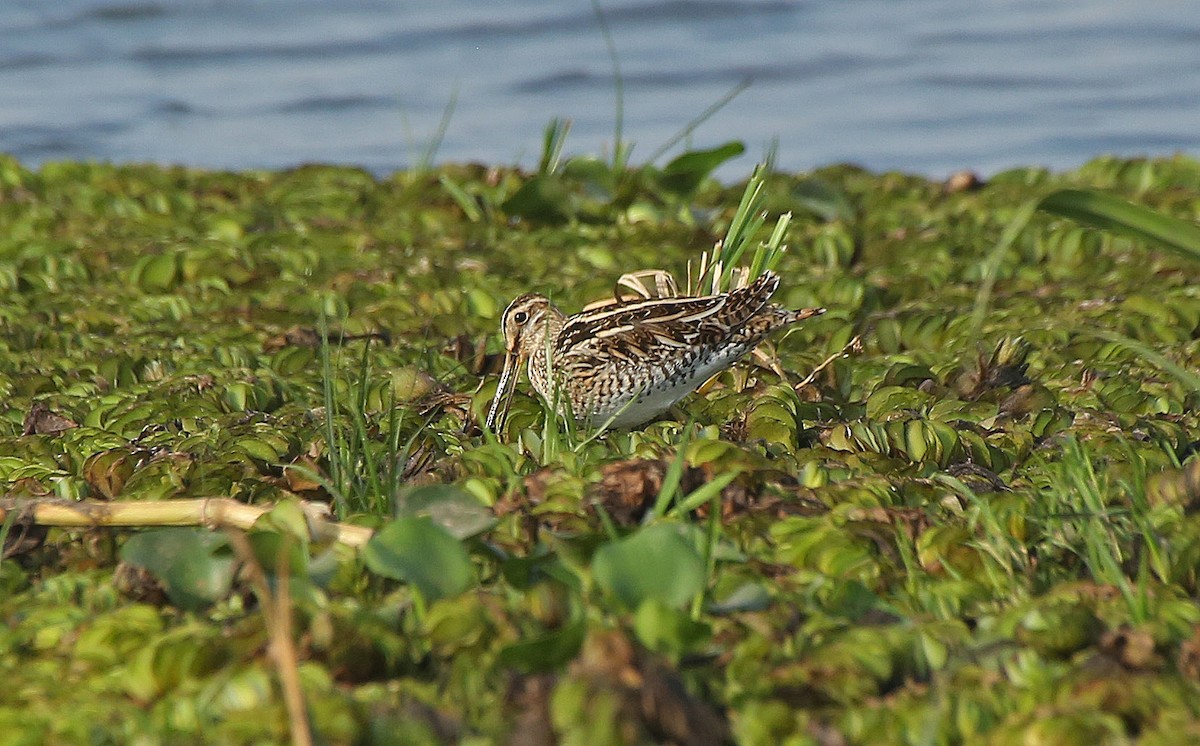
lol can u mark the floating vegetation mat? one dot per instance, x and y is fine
(978, 525)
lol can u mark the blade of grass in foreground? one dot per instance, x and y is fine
(1111, 213)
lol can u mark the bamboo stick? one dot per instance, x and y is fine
(211, 512)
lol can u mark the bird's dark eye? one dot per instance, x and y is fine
(520, 317)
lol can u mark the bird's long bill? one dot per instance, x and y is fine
(504, 392)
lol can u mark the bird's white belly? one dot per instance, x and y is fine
(640, 406)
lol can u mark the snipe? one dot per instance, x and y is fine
(626, 363)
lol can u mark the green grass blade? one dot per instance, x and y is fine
(746, 222)
(991, 265)
(672, 477)
(9, 520)
(1111, 213)
(465, 201)
(705, 492)
(766, 255)
(426, 160)
(620, 151)
(553, 140)
(333, 443)
(711, 537)
(698, 120)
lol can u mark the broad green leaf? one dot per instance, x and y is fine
(684, 174)
(277, 551)
(156, 273)
(543, 198)
(594, 175)
(823, 200)
(1188, 378)
(666, 629)
(545, 652)
(746, 597)
(189, 562)
(525, 572)
(451, 507)
(654, 563)
(419, 552)
(1111, 213)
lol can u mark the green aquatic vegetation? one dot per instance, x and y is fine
(978, 525)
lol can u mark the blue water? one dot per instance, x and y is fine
(928, 86)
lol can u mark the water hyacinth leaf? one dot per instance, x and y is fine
(746, 597)
(113, 636)
(595, 176)
(108, 471)
(419, 552)
(1186, 377)
(544, 198)
(525, 572)
(287, 517)
(683, 175)
(545, 652)
(991, 266)
(1111, 213)
(453, 624)
(449, 506)
(482, 304)
(654, 563)
(156, 273)
(823, 200)
(889, 400)
(666, 629)
(170, 659)
(410, 383)
(193, 565)
(279, 554)
(292, 360)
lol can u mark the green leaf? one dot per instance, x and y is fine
(543, 198)
(594, 175)
(705, 492)
(1187, 377)
(421, 553)
(683, 175)
(746, 221)
(277, 552)
(553, 139)
(1111, 213)
(823, 200)
(545, 652)
(287, 517)
(451, 507)
(190, 563)
(991, 265)
(746, 597)
(668, 630)
(465, 201)
(155, 273)
(654, 563)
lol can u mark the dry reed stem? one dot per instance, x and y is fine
(854, 345)
(211, 512)
(277, 612)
